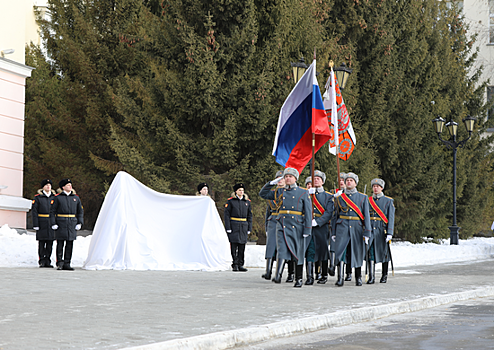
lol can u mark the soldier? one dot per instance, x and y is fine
(238, 224)
(271, 214)
(382, 216)
(310, 253)
(67, 217)
(203, 189)
(336, 193)
(41, 222)
(323, 211)
(293, 223)
(350, 228)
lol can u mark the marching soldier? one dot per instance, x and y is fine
(310, 253)
(382, 216)
(41, 222)
(238, 224)
(293, 223)
(271, 214)
(67, 217)
(332, 267)
(350, 227)
(323, 211)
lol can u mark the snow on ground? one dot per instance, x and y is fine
(22, 251)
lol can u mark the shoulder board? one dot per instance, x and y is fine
(362, 193)
(328, 192)
(77, 195)
(230, 198)
(389, 197)
(58, 194)
(36, 195)
(248, 200)
(304, 188)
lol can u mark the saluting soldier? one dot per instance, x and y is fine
(323, 211)
(351, 226)
(271, 214)
(294, 223)
(41, 222)
(67, 217)
(238, 224)
(382, 216)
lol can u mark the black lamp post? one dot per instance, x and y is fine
(453, 144)
(299, 69)
(342, 74)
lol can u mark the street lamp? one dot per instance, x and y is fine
(342, 74)
(453, 144)
(299, 69)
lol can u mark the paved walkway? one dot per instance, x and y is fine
(49, 309)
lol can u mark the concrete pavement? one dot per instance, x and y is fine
(49, 309)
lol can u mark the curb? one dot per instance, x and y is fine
(255, 334)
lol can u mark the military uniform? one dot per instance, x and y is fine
(66, 212)
(323, 211)
(41, 219)
(238, 223)
(271, 214)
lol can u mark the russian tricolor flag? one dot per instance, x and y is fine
(301, 115)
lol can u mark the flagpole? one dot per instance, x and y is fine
(313, 149)
(336, 135)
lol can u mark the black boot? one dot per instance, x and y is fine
(310, 273)
(235, 268)
(331, 264)
(291, 271)
(324, 278)
(340, 281)
(242, 269)
(384, 277)
(358, 276)
(348, 269)
(280, 266)
(317, 265)
(372, 272)
(60, 265)
(298, 276)
(269, 269)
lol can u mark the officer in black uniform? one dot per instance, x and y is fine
(67, 217)
(238, 224)
(41, 222)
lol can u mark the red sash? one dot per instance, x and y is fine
(378, 210)
(352, 205)
(318, 205)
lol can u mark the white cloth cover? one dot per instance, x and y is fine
(141, 229)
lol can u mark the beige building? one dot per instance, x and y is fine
(17, 28)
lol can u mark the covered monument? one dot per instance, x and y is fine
(141, 229)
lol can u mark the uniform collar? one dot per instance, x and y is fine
(320, 189)
(347, 191)
(379, 195)
(291, 187)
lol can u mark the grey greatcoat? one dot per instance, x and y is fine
(349, 228)
(321, 231)
(66, 212)
(271, 215)
(40, 212)
(293, 222)
(380, 229)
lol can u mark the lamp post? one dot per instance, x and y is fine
(342, 73)
(453, 144)
(299, 69)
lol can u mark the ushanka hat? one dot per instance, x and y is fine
(201, 186)
(279, 173)
(307, 180)
(46, 182)
(291, 171)
(321, 175)
(237, 186)
(63, 182)
(342, 176)
(352, 176)
(378, 182)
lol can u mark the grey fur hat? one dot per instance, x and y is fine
(321, 175)
(291, 171)
(279, 173)
(352, 176)
(379, 182)
(307, 180)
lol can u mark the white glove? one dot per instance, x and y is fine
(248, 232)
(36, 228)
(314, 223)
(388, 238)
(306, 236)
(228, 231)
(338, 193)
(275, 181)
(312, 190)
(54, 227)
(78, 227)
(366, 239)
(333, 238)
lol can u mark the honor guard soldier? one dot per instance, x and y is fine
(294, 223)
(323, 211)
(350, 228)
(41, 222)
(336, 192)
(238, 224)
(67, 217)
(271, 215)
(382, 216)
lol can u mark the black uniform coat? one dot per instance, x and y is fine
(238, 209)
(64, 204)
(41, 216)
(380, 229)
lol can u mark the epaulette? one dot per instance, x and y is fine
(229, 198)
(36, 195)
(58, 194)
(328, 192)
(389, 197)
